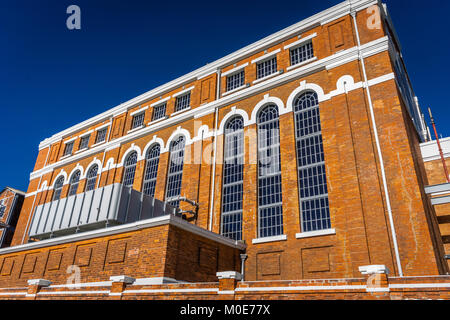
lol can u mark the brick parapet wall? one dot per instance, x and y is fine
(392, 288)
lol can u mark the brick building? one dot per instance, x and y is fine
(11, 201)
(301, 151)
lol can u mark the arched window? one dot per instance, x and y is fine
(151, 170)
(74, 181)
(315, 213)
(175, 173)
(130, 169)
(58, 188)
(270, 210)
(233, 176)
(91, 178)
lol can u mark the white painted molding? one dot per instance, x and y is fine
(233, 112)
(234, 70)
(124, 279)
(136, 129)
(70, 140)
(106, 125)
(311, 234)
(155, 140)
(141, 110)
(229, 275)
(272, 75)
(282, 237)
(86, 133)
(180, 111)
(300, 42)
(374, 269)
(266, 100)
(430, 150)
(132, 148)
(182, 92)
(157, 103)
(78, 167)
(39, 282)
(266, 56)
(301, 64)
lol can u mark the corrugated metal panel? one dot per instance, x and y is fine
(111, 205)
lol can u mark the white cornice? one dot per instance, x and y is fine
(323, 17)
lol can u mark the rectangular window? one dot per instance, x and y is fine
(302, 53)
(266, 68)
(84, 142)
(159, 111)
(2, 209)
(138, 120)
(183, 102)
(68, 149)
(101, 135)
(235, 80)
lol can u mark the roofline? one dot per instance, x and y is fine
(321, 18)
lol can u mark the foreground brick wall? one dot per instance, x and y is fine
(162, 251)
(382, 288)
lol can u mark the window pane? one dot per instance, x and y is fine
(130, 170)
(138, 120)
(302, 53)
(84, 142)
(151, 171)
(266, 68)
(311, 164)
(159, 112)
(91, 178)
(74, 181)
(58, 188)
(235, 80)
(233, 175)
(269, 172)
(175, 173)
(183, 102)
(101, 135)
(68, 149)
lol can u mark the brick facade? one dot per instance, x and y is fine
(368, 226)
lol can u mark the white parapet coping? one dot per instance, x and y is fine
(229, 275)
(374, 269)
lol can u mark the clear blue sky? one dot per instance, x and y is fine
(52, 78)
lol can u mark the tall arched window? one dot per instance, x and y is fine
(233, 176)
(311, 164)
(58, 188)
(175, 173)
(130, 169)
(74, 181)
(151, 170)
(270, 210)
(91, 178)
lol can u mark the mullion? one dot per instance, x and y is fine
(313, 191)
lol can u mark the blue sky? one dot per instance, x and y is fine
(52, 78)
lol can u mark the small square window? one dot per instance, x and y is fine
(68, 149)
(183, 102)
(84, 142)
(266, 68)
(2, 209)
(101, 135)
(302, 53)
(159, 111)
(138, 120)
(235, 80)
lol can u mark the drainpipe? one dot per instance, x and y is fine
(211, 209)
(380, 156)
(243, 258)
